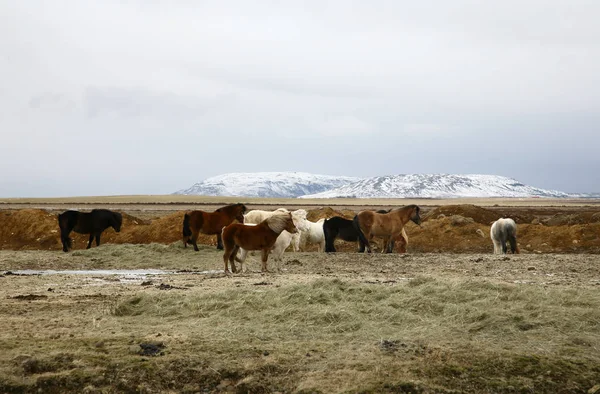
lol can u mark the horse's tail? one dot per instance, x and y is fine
(64, 223)
(187, 231)
(327, 236)
(361, 235)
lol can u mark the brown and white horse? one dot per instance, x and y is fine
(260, 237)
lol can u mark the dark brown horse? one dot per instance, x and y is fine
(92, 223)
(260, 237)
(389, 225)
(210, 223)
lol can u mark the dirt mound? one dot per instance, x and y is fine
(574, 218)
(478, 214)
(328, 212)
(452, 229)
(38, 229)
(29, 228)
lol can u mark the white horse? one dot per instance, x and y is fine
(283, 240)
(314, 235)
(503, 230)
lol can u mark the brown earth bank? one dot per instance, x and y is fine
(445, 229)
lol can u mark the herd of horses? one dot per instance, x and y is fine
(272, 232)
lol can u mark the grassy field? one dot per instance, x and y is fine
(345, 322)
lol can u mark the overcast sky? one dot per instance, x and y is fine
(149, 97)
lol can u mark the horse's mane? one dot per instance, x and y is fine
(278, 222)
(299, 213)
(407, 207)
(118, 217)
(232, 207)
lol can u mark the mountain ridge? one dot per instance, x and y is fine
(306, 185)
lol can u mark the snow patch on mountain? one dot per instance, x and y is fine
(436, 186)
(267, 184)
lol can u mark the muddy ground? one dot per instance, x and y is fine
(450, 323)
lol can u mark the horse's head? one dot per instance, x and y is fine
(289, 225)
(116, 221)
(300, 221)
(239, 212)
(414, 216)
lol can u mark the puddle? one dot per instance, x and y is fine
(100, 277)
(139, 272)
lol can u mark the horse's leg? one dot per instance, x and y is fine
(367, 243)
(98, 239)
(503, 241)
(226, 255)
(194, 240)
(89, 245)
(322, 245)
(264, 256)
(66, 241)
(219, 242)
(328, 240)
(296, 241)
(232, 258)
(497, 246)
(387, 245)
(513, 244)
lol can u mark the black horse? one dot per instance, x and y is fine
(92, 223)
(343, 228)
(338, 226)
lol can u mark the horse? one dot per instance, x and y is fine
(93, 223)
(503, 230)
(210, 223)
(343, 228)
(389, 225)
(260, 237)
(283, 240)
(257, 215)
(314, 235)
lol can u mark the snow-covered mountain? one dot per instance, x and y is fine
(436, 186)
(267, 184)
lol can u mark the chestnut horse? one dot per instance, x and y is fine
(343, 228)
(260, 237)
(210, 223)
(369, 224)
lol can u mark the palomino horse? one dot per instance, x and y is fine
(258, 215)
(210, 223)
(92, 223)
(389, 225)
(260, 237)
(503, 230)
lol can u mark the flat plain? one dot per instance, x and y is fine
(448, 316)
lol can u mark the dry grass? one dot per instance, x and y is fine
(330, 323)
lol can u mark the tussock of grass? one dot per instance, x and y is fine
(465, 335)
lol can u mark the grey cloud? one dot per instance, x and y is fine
(171, 93)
